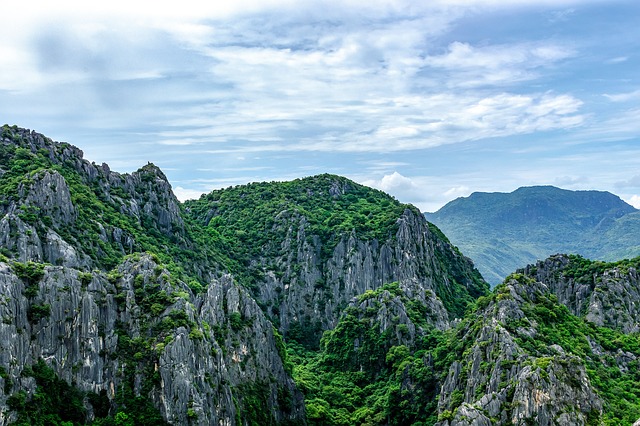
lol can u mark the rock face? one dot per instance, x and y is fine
(497, 381)
(98, 332)
(140, 310)
(313, 265)
(605, 297)
(123, 331)
(40, 216)
(174, 329)
(322, 289)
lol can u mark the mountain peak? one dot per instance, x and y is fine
(504, 231)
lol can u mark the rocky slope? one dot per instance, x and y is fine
(136, 332)
(312, 245)
(82, 306)
(500, 380)
(122, 306)
(502, 232)
(523, 355)
(137, 308)
(605, 294)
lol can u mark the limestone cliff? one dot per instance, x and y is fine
(605, 294)
(121, 305)
(499, 379)
(329, 240)
(84, 306)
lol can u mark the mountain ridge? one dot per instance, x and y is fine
(504, 231)
(177, 306)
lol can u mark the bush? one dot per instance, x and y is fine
(38, 312)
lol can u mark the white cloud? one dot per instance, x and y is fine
(624, 97)
(470, 66)
(395, 182)
(623, 125)
(618, 60)
(220, 74)
(457, 191)
(401, 187)
(184, 194)
(634, 200)
(561, 15)
(195, 81)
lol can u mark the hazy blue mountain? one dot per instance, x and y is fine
(504, 231)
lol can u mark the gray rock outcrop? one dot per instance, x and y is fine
(499, 382)
(86, 325)
(610, 298)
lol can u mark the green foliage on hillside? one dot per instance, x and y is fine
(557, 326)
(584, 270)
(99, 205)
(252, 219)
(455, 296)
(359, 376)
(57, 403)
(363, 372)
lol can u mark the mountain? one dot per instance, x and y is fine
(504, 231)
(123, 306)
(312, 302)
(554, 344)
(308, 246)
(115, 310)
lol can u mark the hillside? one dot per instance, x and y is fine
(504, 231)
(528, 353)
(308, 246)
(116, 310)
(133, 308)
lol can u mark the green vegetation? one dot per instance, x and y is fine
(360, 374)
(556, 326)
(584, 271)
(99, 206)
(253, 220)
(30, 273)
(56, 403)
(332, 206)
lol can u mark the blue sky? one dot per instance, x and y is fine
(427, 102)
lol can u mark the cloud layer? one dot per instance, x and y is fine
(437, 95)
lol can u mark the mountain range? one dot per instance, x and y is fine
(317, 301)
(505, 231)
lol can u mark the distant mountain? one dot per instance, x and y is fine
(505, 231)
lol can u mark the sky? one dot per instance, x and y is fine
(426, 100)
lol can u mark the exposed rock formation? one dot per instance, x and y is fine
(133, 331)
(606, 297)
(137, 327)
(499, 382)
(321, 289)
